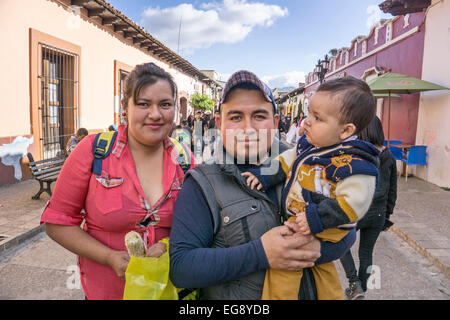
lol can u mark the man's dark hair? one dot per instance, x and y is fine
(184, 122)
(82, 132)
(358, 105)
(373, 133)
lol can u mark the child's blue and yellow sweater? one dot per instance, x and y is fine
(334, 186)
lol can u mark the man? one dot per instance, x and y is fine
(183, 133)
(74, 140)
(198, 129)
(224, 231)
(212, 122)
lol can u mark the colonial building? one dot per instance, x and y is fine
(64, 64)
(433, 129)
(415, 43)
(290, 103)
(215, 86)
(392, 45)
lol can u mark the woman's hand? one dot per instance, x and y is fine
(156, 250)
(118, 261)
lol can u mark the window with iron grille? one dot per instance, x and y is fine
(59, 99)
(123, 75)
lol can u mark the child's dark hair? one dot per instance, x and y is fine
(82, 132)
(144, 74)
(358, 105)
(373, 133)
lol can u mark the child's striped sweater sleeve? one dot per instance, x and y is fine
(353, 198)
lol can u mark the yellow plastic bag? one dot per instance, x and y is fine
(147, 278)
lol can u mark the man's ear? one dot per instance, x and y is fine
(348, 130)
(276, 120)
(218, 122)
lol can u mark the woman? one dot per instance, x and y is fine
(292, 135)
(376, 218)
(136, 190)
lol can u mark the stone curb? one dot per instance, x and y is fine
(18, 240)
(445, 269)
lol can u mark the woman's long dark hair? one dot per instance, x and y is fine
(373, 133)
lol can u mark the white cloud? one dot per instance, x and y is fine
(375, 15)
(288, 79)
(229, 21)
(224, 76)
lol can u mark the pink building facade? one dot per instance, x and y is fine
(394, 45)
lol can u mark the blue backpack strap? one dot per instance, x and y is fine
(101, 148)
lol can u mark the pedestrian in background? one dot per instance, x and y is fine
(183, 133)
(190, 120)
(74, 140)
(212, 122)
(293, 134)
(282, 128)
(377, 217)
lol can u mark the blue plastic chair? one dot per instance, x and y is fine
(417, 155)
(392, 142)
(397, 152)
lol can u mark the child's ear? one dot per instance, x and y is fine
(348, 130)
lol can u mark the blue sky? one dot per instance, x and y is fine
(278, 40)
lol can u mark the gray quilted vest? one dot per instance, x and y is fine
(240, 215)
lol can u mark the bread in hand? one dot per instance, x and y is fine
(135, 245)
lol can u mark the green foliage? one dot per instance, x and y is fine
(299, 108)
(201, 101)
(333, 52)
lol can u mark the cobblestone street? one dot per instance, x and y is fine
(41, 269)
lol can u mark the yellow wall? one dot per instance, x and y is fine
(433, 127)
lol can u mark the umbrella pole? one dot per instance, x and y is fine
(389, 118)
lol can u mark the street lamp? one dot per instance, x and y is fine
(322, 68)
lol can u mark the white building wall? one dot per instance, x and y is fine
(433, 129)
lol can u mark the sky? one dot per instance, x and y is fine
(280, 41)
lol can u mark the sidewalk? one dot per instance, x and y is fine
(19, 214)
(421, 217)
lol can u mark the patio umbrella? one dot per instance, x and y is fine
(385, 95)
(392, 83)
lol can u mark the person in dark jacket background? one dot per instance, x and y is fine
(376, 218)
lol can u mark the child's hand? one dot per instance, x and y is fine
(303, 223)
(252, 181)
